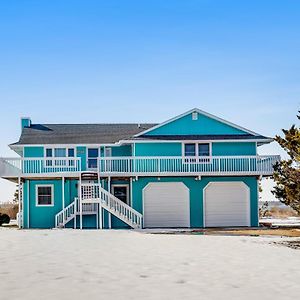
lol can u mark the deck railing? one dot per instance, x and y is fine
(19, 166)
(136, 166)
(212, 165)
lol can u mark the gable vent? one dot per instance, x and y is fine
(194, 116)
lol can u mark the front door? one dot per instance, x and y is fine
(121, 192)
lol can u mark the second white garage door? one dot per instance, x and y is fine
(166, 204)
(226, 204)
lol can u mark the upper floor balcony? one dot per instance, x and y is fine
(142, 166)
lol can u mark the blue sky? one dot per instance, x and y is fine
(146, 61)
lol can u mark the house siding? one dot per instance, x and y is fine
(203, 125)
(158, 149)
(36, 151)
(233, 148)
(124, 150)
(43, 217)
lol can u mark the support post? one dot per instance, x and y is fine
(100, 216)
(97, 212)
(109, 214)
(75, 213)
(130, 190)
(19, 200)
(63, 199)
(80, 203)
(28, 198)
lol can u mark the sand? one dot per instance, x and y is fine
(120, 264)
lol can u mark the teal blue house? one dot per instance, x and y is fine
(195, 170)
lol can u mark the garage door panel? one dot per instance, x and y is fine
(226, 204)
(166, 204)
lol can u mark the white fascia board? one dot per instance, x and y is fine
(198, 141)
(64, 145)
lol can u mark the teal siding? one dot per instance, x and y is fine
(34, 151)
(235, 148)
(82, 153)
(158, 149)
(42, 217)
(186, 126)
(196, 194)
(124, 150)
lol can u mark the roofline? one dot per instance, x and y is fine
(14, 146)
(267, 140)
(200, 112)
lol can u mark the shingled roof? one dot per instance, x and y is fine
(79, 133)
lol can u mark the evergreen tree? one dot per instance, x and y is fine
(287, 172)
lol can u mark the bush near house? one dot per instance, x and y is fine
(4, 219)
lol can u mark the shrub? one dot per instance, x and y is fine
(4, 219)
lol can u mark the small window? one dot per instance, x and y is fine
(194, 116)
(60, 152)
(71, 152)
(190, 150)
(203, 149)
(44, 195)
(48, 152)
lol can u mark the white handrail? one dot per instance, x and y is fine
(218, 165)
(94, 192)
(65, 214)
(31, 165)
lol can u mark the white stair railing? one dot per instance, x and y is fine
(91, 196)
(69, 212)
(94, 192)
(120, 209)
(65, 215)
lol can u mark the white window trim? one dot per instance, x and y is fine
(121, 185)
(52, 195)
(55, 147)
(87, 157)
(197, 149)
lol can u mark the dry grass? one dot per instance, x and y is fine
(288, 232)
(279, 212)
(9, 209)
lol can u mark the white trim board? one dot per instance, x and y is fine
(202, 113)
(36, 195)
(113, 185)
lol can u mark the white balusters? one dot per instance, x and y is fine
(206, 165)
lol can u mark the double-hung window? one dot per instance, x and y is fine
(58, 156)
(93, 154)
(44, 195)
(196, 152)
(189, 149)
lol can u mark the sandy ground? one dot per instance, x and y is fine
(70, 264)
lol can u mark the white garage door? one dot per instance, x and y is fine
(166, 204)
(226, 204)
